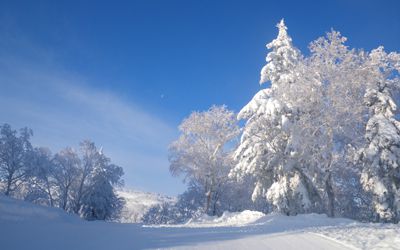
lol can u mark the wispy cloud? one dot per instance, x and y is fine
(63, 109)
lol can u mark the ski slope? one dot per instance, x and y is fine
(27, 226)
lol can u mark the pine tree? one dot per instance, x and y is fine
(266, 149)
(381, 155)
(281, 61)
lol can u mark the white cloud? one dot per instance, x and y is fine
(64, 109)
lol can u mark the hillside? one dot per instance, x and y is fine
(138, 203)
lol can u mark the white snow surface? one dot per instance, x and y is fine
(228, 219)
(138, 203)
(28, 226)
(16, 211)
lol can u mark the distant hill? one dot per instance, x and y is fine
(138, 203)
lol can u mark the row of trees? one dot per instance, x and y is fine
(322, 137)
(324, 129)
(81, 182)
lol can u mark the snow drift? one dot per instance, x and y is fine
(228, 219)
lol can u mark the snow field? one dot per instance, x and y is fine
(27, 226)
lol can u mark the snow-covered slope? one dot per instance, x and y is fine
(138, 203)
(27, 226)
(19, 211)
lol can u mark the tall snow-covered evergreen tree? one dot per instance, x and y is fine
(266, 149)
(281, 61)
(381, 155)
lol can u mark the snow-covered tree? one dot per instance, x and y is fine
(85, 183)
(65, 173)
(91, 157)
(99, 201)
(190, 204)
(301, 133)
(81, 182)
(202, 152)
(41, 178)
(266, 149)
(330, 81)
(281, 61)
(94, 196)
(381, 155)
(15, 154)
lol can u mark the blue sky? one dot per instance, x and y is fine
(125, 73)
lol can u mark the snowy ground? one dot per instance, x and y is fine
(26, 226)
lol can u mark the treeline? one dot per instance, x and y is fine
(323, 136)
(77, 181)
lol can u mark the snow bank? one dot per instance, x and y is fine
(228, 219)
(274, 222)
(13, 210)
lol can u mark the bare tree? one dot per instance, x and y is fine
(15, 152)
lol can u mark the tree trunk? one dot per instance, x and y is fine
(9, 183)
(49, 193)
(78, 199)
(65, 198)
(214, 207)
(64, 204)
(331, 195)
(312, 192)
(208, 195)
(215, 200)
